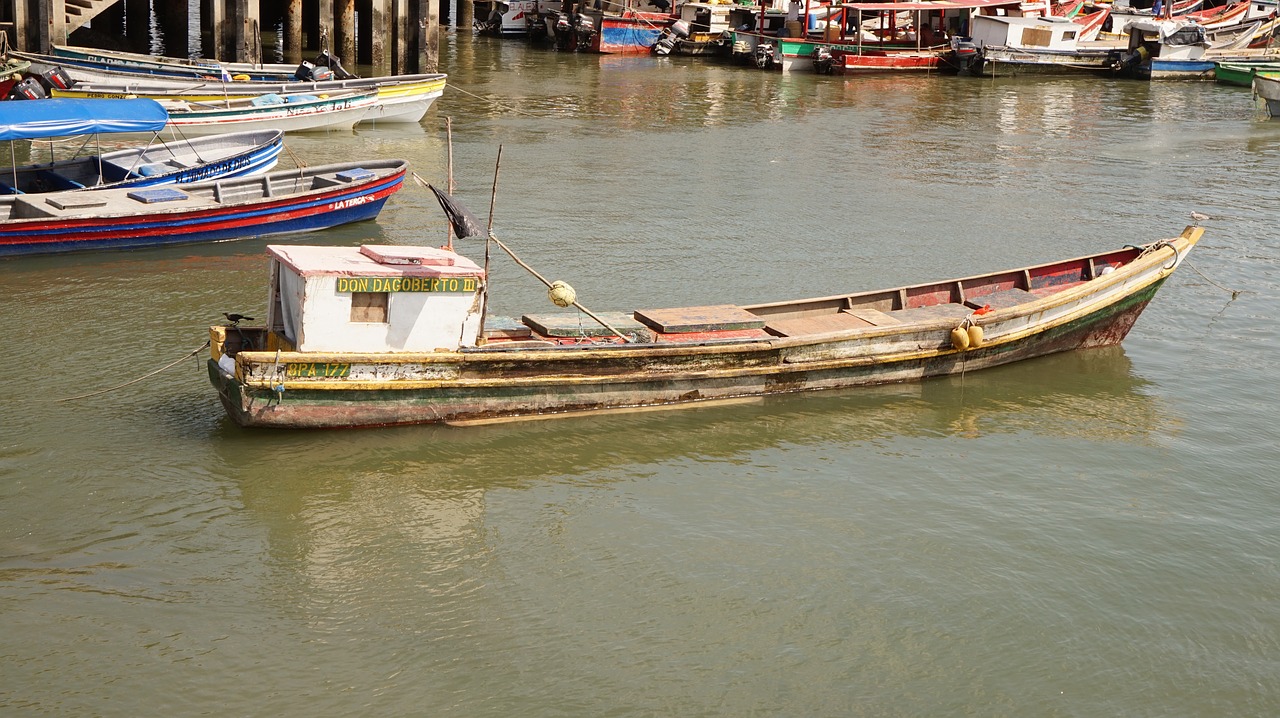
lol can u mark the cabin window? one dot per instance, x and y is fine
(1069, 35)
(369, 307)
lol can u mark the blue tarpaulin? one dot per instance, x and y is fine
(33, 119)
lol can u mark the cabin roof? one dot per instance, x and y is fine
(927, 5)
(1037, 20)
(374, 261)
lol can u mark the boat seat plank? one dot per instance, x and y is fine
(1002, 299)
(932, 312)
(874, 317)
(158, 194)
(55, 181)
(577, 324)
(820, 324)
(76, 201)
(717, 317)
(505, 328)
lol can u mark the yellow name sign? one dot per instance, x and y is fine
(407, 284)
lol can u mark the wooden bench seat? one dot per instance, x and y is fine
(818, 324)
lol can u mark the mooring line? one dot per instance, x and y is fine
(191, 353)
(452, 86)
(1234, 292)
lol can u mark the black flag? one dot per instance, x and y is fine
(464, 223)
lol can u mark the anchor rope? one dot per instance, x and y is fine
(148, 375)
(1234, 292)
(452, 86)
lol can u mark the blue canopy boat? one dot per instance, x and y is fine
(80, 123)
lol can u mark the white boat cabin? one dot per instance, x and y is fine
(374, 299)
(1169, 39)
(1040, 33)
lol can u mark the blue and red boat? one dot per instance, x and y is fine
(284, 201)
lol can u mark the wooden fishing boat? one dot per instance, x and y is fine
(1170, 49)
(1037, 45)
(703, 29)
(1268, 88)
(1241, 73)
(862, 37)
(159, 161)
(399, 335)
(291, 113)
(297, 200)
(160, 66)
(400, 98)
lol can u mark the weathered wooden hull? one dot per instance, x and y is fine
(1004, 61)
(1268, 88)
(855, 64)
(288, 389)
(1241, 74)
(634, 34)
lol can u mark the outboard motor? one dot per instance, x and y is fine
(563, 33)
(665, 44)
(55, 77)
(585, 30)
(308, 72)
(334, 63)
(823, 62)
(27, 89)
(965, 55)
(764, 55)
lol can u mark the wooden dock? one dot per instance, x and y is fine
(394, 37)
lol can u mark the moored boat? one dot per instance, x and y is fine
(296, 200)
(1008, 45)
(324, 65)
(1241, 73)
(291, 113)
(1268, 88)
(159, 161)
(400, 335)
(504, 18)
(400, 98)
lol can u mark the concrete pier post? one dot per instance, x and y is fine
(213, 31)
(466, 15)
(401, 35)
(24, 23)
(379, 36)
(345, 33)
(429, 36)
(248, 32)
(293, 31)
(53, 24)
(323, 39)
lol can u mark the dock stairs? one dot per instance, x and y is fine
(80, 12)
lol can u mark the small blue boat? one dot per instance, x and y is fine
(77, 162)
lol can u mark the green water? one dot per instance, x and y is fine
(1090, 534)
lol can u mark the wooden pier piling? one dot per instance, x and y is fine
(389, 36)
